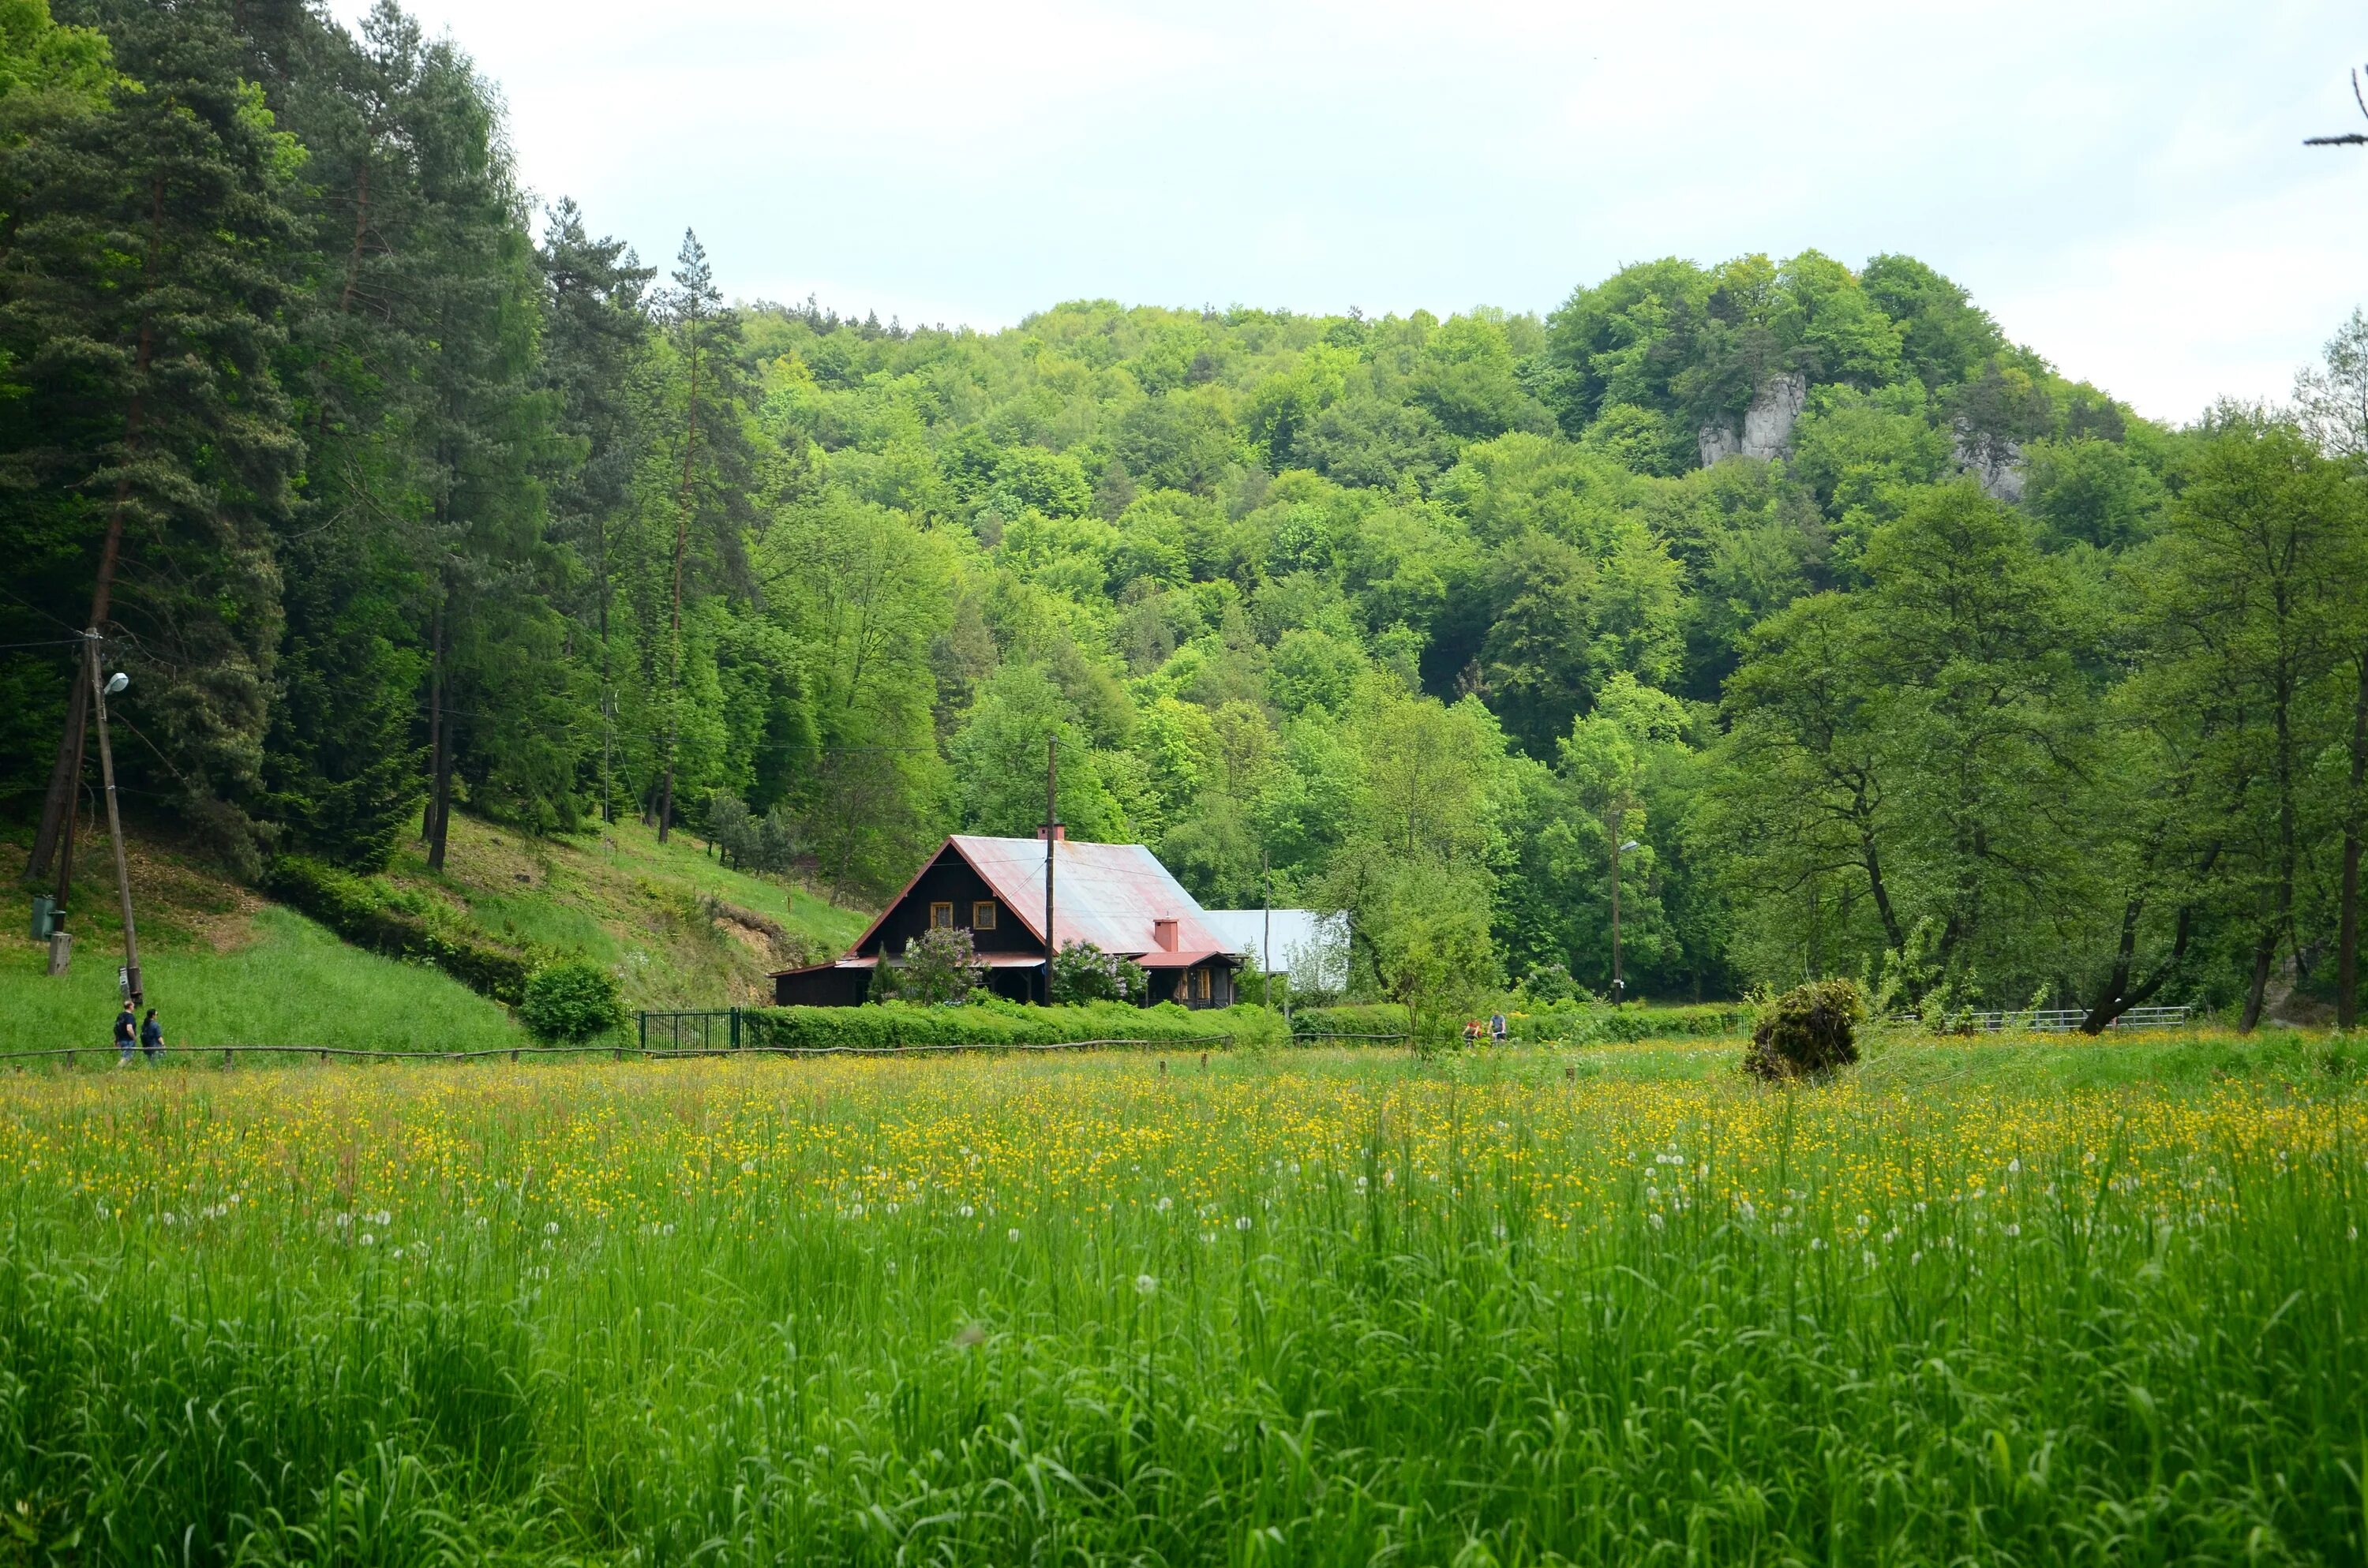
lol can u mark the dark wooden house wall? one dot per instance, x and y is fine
(821, 988)
(950, 880)
(1178, 985)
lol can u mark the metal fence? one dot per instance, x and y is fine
(2057, 1020)
(702, 1028)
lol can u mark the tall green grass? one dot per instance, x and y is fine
(1307, 1308)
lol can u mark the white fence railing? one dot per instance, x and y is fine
(2060, 1020)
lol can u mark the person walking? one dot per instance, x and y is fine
(125, 1026)
(152, 1035)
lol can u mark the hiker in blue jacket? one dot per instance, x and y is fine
(124, 1026)
(152, 1035)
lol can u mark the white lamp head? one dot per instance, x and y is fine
(116, 684)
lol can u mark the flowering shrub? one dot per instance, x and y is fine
(939, 969)
(1083, 973)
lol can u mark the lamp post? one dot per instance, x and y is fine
(1619, 986)
(114, 687)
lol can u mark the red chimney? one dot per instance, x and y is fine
(1060, 832)
(1163, 934)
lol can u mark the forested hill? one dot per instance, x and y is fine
(1893, 652)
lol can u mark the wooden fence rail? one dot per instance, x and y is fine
(618, 1053)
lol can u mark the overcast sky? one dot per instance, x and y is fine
(2121, 184)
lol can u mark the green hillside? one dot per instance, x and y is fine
(224, 966)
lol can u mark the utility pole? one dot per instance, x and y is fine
(114, 817)
(1619, 848)
(1617, 986)
(1266, 938)
(1051, 839)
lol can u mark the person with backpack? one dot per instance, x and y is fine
(152, 1035)
(125, 1025)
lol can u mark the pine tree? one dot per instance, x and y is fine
(142, 314)
(596, 329)
(712, 471)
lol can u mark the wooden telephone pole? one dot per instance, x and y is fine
(1051, 837)
(114, 822)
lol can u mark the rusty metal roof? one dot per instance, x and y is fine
(1108, 894)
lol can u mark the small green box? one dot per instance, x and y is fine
(45, 916)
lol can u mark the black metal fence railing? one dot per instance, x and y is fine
(702, 1024)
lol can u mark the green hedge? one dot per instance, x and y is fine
(1585, 1023)
(1576, 1023)
(876, 1025)
(1365, 1018)
(367, 914)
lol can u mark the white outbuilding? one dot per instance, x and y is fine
(1309, 946)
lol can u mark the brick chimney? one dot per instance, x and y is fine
(1163, 934)
(1060, 832)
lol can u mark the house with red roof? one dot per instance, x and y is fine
(1117, 896)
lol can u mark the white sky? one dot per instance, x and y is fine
(2123, 185)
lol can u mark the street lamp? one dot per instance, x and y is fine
(1619, 986)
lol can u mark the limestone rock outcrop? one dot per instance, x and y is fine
(1767, 427)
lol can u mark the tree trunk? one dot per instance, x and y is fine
(66, 773)
(2355, 826)
(361, 224)
(2262, 955)
(1870, 858)
(2119, 995)
(439, 748)
(54, 837)
(608, 675)
(681, 542)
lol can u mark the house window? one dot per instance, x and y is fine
(1201, 982)
(941, 916)
(982, 915)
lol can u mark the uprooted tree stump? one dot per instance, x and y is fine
(1811, 1031)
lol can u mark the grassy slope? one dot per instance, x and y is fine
(224, 966)
(629, 903)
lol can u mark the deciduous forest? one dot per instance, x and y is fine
(1893, 652)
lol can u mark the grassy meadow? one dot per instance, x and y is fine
(2050, 1301)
